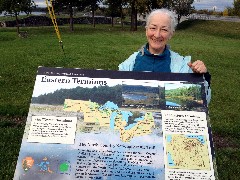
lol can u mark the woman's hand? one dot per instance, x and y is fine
(198, 67)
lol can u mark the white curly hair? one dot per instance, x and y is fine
(170, 14)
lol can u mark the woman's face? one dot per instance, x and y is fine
(158, 33)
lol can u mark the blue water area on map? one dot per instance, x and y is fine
(125, 116)
(170, 160)
(199, 137)
(109, 105)
(133, 124)
(112, 119)
(139, 118)
(169, 138)
(130, 126)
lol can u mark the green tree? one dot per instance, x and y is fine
(133, 5)
(14, 7)
(69, 5)
(182, 7)
(236, 5)
(156, 4)
(93, 4)
(115, 9)
(142, 7)
(230, 11)
(137, 7)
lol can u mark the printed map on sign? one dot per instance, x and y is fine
(96, 124)
(109, 115)
(187, 152)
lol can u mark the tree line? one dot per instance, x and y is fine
(192, 91)
(100, 95)
(139, 88)
(112, 8)
(233, 11)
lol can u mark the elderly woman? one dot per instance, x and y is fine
(156, 56)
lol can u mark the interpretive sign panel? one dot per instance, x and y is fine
(112, 125)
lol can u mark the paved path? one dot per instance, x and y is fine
(212, 17)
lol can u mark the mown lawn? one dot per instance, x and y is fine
(216, 43)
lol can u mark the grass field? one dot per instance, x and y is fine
(216, 43)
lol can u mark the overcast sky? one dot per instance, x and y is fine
(199, 4)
